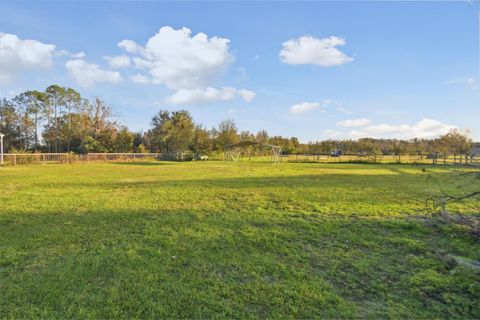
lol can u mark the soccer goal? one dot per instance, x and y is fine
(234, 152)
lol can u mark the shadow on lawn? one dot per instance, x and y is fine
(201, 264)
(143, 163)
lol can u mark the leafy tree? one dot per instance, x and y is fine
(202, 143)
(171, 132)
(456, 142)
(124, 141)
(9, 124)
(25, 125)
(138, 140)
(226, 134)
(262, 136)
(56, 98)
(367, 145)
(141, 149)
(158, 138)
(73, 101)
(182, 130)
(246, 136)
(36, 104)
(90, 144)
(294, 145)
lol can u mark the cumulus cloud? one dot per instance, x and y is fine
(140, 78)
(87, 74)
(350, 123)
(425, 128)
(332, 134)
(184, 96)
(118, 62)
(76, 55)
(188, 64)
(180, 60)
(465, 81)
(247, 95)
(309, 106)
(17, 55)
(305, 106)
(310, 50)
(343, 110)
(129, 46)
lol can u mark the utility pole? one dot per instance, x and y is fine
(1, 148)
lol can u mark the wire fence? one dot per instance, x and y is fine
(381, 158)
(46, 158)
(367, 158)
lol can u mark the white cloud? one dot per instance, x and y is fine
(17, 55)
(140, 78)
(322, 106)
(465, 81)
(118, 62)
(350, 123)
(63, 53)
(343, 110)
(190, 65)
(304, 107)
(332, 134)
(180, 60)
(78, 55)
(310, 50)
(426, 128)
(232, 110)
(87, 74)
(247, 95)
(129, 46)
(184, 96)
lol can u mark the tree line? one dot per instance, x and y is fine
(59, 119)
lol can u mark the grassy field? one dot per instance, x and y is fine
(229, 240)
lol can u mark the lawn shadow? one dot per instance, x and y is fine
(246, 265)
(143, 163)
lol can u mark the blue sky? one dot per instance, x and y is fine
(313, 70)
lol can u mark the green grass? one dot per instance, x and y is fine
(228, 240)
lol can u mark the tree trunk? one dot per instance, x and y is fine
(56, 128)
(69, 127)
(36, 131)
(59, 124)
